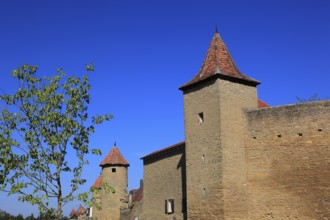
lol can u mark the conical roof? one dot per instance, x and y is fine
(114, 158)
(81, 210)
(97, 184)
(219, 63)
(73, 213)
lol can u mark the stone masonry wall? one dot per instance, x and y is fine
(111, 201)
(95, 211)
(163, 180)
(215, 154)
(288, 161)
(203, 154)
(132, 212)
(235, 98)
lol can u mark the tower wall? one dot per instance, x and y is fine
(111, 201)
(235, 99)
(216, 169)
(96, 213)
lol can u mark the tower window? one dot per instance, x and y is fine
(201, 118)
(113, 170)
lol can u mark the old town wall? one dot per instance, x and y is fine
(288, 161)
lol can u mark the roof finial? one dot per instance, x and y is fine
(216, 28)
(115, 145)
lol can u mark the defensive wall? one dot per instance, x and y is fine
(288, 161)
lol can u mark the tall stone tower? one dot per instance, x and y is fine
(214, 104)
(114, 175)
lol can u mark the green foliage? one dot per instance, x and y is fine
(39, 124)
(6, 216)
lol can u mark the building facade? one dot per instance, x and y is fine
(241, 158)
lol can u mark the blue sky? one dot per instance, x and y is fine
(144, 50)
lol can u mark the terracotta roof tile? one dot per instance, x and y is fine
(81, 210)
(218, 62)
(73, 213)
(138, 195)
(97, 183)
(114, 158)
(262, 104)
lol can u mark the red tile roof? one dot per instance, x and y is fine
(262, 104)
(81, 210)
(114, 158)
(73, 213)
(138, 194)
(219, 63)
(97, 183)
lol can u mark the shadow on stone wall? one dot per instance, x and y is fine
(182, 165)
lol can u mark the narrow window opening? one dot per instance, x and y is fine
(279, 136)
(201, 117)
(203, 157)
(300, 134)
(319, 129)
(254, 137)
(204, 192)
(113, 170)
(169, 206)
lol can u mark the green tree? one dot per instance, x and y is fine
(19, 217)
(31, 217)
(39, 124)
(5, 216)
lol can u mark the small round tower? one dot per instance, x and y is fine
(114, 184)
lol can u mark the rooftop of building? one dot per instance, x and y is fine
(218, 63)
(114, 158)
(97, 183)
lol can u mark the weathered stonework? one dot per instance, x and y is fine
(96, 212)
(111, 201)
(287, 152)
(237, 161)
(215, 149)
(132, 212)
(164, 179)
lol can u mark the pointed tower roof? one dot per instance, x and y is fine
(114, 158)
(219, 64)
(97, 184)
(73, 213)
(81, 210)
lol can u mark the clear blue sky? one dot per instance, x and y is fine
(144, 50)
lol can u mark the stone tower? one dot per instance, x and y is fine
(214, 104)
(114, 174)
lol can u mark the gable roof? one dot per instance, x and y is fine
(114, 158)
(219, 63)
